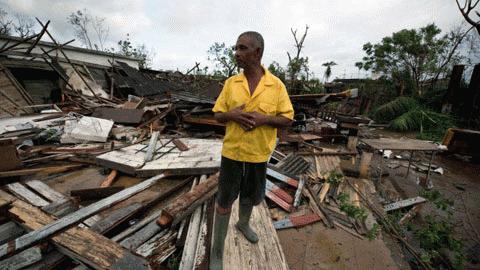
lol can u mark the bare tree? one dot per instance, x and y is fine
(466, 9)
(297, 63)
(83, 23)
(5, 23)
(23, 26)
(102, 31)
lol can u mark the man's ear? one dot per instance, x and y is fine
(258, 53)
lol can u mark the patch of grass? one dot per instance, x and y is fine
(436, 236)
(372, 233)
(334, 177)
(350, 209)
(436, 198)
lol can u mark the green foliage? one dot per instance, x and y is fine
(436, 198)
(224, 59)
(418, 54)
(437, 235)
(350, 209)
(333, 106)
(334, 177)
(407, 114)
(126, 47)
(277, 70)
(372, 233)
(394, 108)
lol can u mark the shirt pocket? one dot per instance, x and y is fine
(267, 108)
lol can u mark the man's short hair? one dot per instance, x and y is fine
(257, 38)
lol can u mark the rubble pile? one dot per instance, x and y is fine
(108, 166)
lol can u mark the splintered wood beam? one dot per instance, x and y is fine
(316, 207)
(69, 220)
(82, 244)
(183, 203)
(109, 179)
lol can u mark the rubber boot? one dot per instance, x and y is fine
(244, 213)
(220, 232)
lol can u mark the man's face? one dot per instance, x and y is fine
(246, 53)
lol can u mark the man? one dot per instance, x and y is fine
(253, 104)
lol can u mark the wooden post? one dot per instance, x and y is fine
(352, 143)
(365, 161)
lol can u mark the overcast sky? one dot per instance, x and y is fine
(180, 32)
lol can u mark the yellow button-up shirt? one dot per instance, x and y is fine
(270, 98)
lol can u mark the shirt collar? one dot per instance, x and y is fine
(268, 80)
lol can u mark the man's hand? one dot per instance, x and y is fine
(237, 115)
(258, 119)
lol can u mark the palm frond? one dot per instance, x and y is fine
(419, 118)
(394, 108)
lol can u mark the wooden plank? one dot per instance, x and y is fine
(22, 259)
(54, 227)
(365, 161)
(315, 205)
(24, 193)
(49, 261)
(43, 170)
(202, 254)
(265, 255)
(141, 236)
(404, 203)
(159, 248)
(184, 214)
(45, 190)
(187, 199)
(115, 217)
(131, 230)
(61, 208)
(9, 231)
(188, 254)
(180, 145)
(298, 193)
(151, 218)
(401, 144)
(108, 181)
(324, 191)
(82, 244)
(151, 146)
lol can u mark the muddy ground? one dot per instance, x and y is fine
(316, 247)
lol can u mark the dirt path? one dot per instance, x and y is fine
(317, 247)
